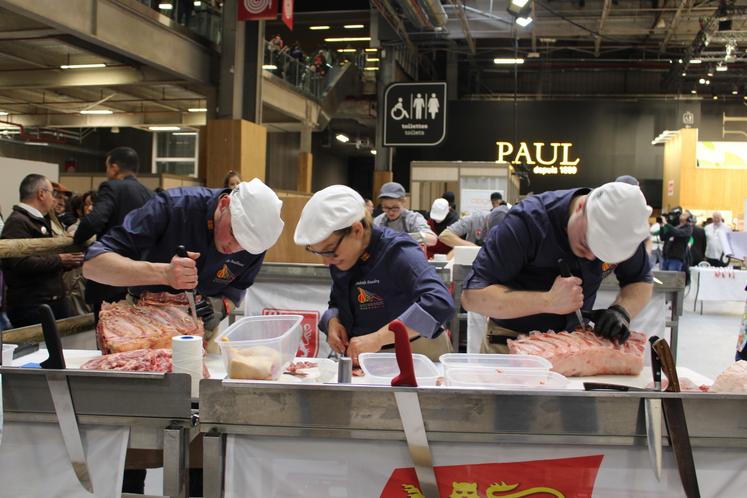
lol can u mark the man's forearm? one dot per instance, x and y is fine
(498, 301)
(111, 268)
(452, 240)
(635, 297)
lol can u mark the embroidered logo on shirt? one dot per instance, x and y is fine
(224, 275)
(368, 300)
(607, 268)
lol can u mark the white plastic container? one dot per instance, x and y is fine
(8, 354)
(381, 368)
(252, 335)
(465, 255)
(498, 361)
(511, 378)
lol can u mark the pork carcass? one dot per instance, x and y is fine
(139, 360)
(126, 327)
(732, 380)
(582, 353)
(149, 298)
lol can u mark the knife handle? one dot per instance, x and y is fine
(667, 363)
(655, 363)
(565, 270)
(403, 353)
(181, 251)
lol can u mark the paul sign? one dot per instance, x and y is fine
(547, 159)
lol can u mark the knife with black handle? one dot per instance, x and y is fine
(653, 413)
(181, 251)
(565, 272)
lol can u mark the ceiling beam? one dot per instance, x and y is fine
(62, 120)
(598, 37)
(26, 34)
(60, 78)
(459, 6)
(673, 23)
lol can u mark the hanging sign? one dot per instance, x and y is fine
(255, 10)
(287, 13)
(414, 114)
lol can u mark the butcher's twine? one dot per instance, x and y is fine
(187, 358)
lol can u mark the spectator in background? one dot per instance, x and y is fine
(438, 220)
(697, 241)
(449, 196)
(472, 230)
(715, 233)
(184, 10)
(35, 280)
(231, 180)
(369, 206)
(62, 209)
(400, 219)
(81, 205)
(4, 322)
(676, 234)
(656, 244)
(120, 194)
(495, 199)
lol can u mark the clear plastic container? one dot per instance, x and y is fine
(260, 347)
(510, 378)
(381, 368)
(8, 354)
(498, 361)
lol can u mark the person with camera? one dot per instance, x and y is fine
(676, 235)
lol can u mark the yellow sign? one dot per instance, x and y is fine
(538, 154)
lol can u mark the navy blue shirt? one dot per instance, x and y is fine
(182, 216)
(392, 280)
(522, 253)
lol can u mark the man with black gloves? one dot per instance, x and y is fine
(676, 235)
(516, 278)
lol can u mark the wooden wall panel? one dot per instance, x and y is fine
(379, 179)
(238, 145)
(286, 250)
(305, 171)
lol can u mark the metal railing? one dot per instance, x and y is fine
(307, 78)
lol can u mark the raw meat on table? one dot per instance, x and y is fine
(732, 380)
(582, 353)
(126, 327)
(148, 298)
(139, 360)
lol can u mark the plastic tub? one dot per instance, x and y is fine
(8, 354)
(260, 347)
(511, 378)
(498, 361)
(381, 368)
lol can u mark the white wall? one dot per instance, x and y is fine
(12, 171)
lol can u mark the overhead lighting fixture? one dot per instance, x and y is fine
(371, 49)
(198, 3)
(519, 3)
(10, 132)
(500, 60)
(710, 73)
(348, 50)
(342, 138)
(519, 8)
(524, 21)
(354, 26)
(165, 6)
(269, 67)
(684, 74)
(708, 82)
(696, 61)
(318, 28)
(721, 68)
(693, 91)
(533, 55)
(715, 97)
(370, 68)
(38, 144)
(373, 59)
(197, 109)
(97, 111)
(348, 39)
(373, 152)
(3, 113)
(164, 128)
(679, 60)
(82, 66)
(185, 133)
(702, 81)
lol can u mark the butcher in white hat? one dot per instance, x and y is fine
(225, 231)
(378, 275)
(517, 276)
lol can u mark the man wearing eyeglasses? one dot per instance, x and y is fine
(35, 280)
(516, 278)
(396, 217)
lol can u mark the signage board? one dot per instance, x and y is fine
(414, 114)
(255, 10)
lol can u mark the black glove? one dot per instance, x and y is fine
(612, 323)
(211, 311)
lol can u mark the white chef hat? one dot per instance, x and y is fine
(330, 209)
(255, 216)
(439, 210)
(617, 217)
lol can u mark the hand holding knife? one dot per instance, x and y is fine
(181, 251)
(565, 272)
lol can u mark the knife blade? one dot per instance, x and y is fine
(181, 251)
(653, 414)
(674, 414)
(565, 272)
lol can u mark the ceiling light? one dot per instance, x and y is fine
(715, 97)
(82, 66)
(318, 28)
(371, 49)
(696, 61)
(269, 67)
(197, 109)
(348, 39)
(370, 68)
(519, 3)
(197, 3)
(708, 82)
(354, 26)
(10, 132)
(710, 73)
(721, 68)
(693, 91)
(349, 50)
(684, 74)
(40, 144)
(185, 133)
(342, 138)
(499, 60)
(373, 152)
(373, 59)
(524, 21)
(165, 6)
(3, 113)
(164, 128)
(533, 55)
(96, 111)
(679, 60)
(702, 81)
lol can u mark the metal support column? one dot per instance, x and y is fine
(213, 458)
(175, 462)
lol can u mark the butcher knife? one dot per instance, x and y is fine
(674, 414)
(565, 272)
(181, 251)
(653, 413)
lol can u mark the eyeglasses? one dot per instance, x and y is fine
(332, 253)
(393, 209)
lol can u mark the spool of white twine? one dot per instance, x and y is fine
(186, 358)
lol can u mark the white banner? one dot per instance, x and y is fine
(307, 300)
(300, 468)
(718, 284)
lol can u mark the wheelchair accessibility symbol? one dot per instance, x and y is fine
(398, 111)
